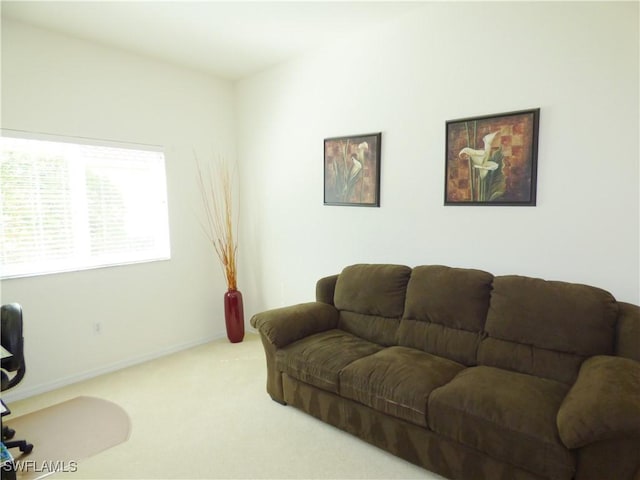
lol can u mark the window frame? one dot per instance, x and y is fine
(161, 250)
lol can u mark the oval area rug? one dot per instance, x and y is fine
(66, 433)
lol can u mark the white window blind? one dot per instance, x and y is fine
(71, 206)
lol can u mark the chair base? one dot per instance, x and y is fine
(23, 445)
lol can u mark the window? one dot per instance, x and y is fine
(72, 206)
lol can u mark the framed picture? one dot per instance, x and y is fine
(492, 160)
(352, 170)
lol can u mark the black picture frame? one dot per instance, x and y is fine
(492, 160)
(352, 170)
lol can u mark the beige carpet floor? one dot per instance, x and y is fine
(67, 433)
(204, 413)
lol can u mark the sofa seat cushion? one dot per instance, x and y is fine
(397, 381)
(509, 416)
(318, 359)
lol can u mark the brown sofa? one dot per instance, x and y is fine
(470, 375)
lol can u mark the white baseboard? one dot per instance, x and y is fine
(26, 392)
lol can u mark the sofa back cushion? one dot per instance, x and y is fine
(371, 298)
(547, 328)
(445, 311)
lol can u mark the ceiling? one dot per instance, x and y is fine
(228, 39)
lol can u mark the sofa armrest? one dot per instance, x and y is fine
(282, 326)
(325, 288)
(603, 404)
(628, 332)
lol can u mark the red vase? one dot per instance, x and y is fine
(234, 315)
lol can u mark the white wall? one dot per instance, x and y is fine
(578, 62)
(59, 85)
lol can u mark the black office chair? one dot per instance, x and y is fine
(13, 367)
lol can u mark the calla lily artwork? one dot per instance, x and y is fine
(492, 160)
(352, 170)
(485, 168)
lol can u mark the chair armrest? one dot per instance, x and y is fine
(283, 326)
(603, 403)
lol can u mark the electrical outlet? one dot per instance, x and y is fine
(97, 328)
